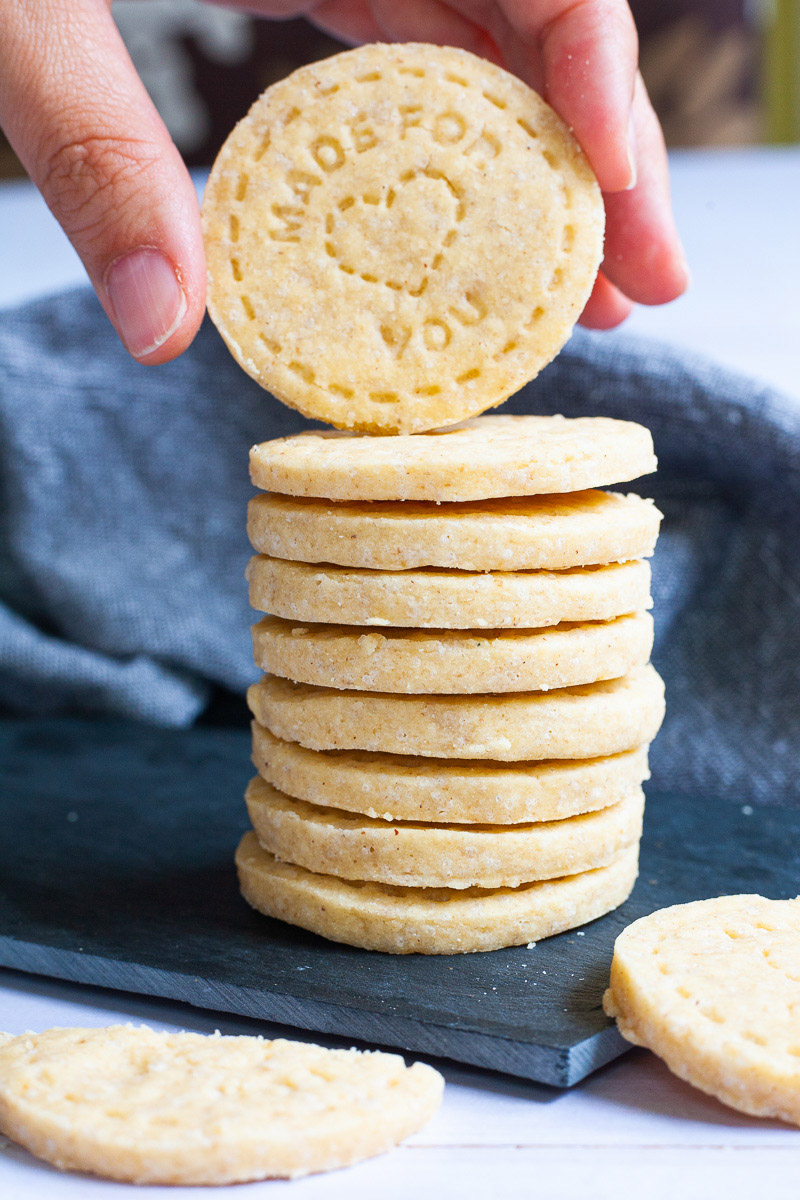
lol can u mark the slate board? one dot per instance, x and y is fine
(116, 870)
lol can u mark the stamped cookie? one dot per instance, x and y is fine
(578, 722)
(523, 533)
(479, 459)
(436, 599)
(351, 846)
(401, 920)
(179, 1108)
(403, 787)
(453, 662)
(399, 237)
(713, 988)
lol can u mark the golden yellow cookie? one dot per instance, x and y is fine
(399, 237)
(452, 662)
(713, 988)
(404, 787)
(179, 1108)
(579, 722)
(435, 599)
(331, 842)
(400, 920)
(481, 458)
(518, 534)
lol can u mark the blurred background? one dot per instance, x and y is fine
(720, 72)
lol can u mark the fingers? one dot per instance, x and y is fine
(84, 128)
(606, 307)
(643, 253)
(350, 20)
(588, 51)
(431, 21)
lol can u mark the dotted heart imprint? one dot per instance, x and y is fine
(396, 235)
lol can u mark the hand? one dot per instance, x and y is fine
(86, 131)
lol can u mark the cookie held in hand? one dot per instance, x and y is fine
(399, 237)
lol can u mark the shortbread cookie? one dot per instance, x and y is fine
(331, 842)
(403, 787)
(525, 533)
(179, 1108)
(399, 237)
(452, 662)
(481, 458)
(400, 920)
(431, 599)
(713, 988)
(578, 722)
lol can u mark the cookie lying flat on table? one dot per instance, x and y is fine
(524, 533)
(481, 458)
(713, 988)
(180, 1108)
(404, 787)
(400, 920)
(580, 722)
(452, 661)
(399, 237)
(351, 846)
(436, 599)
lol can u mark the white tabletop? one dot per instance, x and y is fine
(632, 1129)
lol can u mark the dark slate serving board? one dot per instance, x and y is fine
(116, 870)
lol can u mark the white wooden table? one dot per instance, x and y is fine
(632, 1129)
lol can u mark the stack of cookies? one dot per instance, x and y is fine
(451, 732)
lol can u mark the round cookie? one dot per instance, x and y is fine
(400, 920)
(399, 237)
(522, 533)
(180, 1108)
(330, 842)
(405, 787)
(479, 459)
(433, 599)
(713, 988)
(580, 722)
(452, 662)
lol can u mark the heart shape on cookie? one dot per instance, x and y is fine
(396, 235)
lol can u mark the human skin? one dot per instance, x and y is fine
(84, 128)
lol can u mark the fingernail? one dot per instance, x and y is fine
(147, 300)
(632, 155)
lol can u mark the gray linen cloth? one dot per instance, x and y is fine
(122, 543)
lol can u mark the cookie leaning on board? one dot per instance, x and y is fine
(713, 988)
(399, 237)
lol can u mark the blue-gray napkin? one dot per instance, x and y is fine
(122, 546)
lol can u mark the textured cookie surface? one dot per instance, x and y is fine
(399, 237)
(481, 458)
(580, 722)
(180, 1108)
(408, 788)
(713, 988)
(454, 662)
(516, 534)
(400, 920)
(409, 854)
(436, 599)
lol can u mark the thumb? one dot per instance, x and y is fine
(84, 128)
